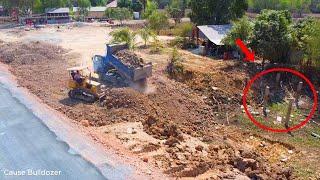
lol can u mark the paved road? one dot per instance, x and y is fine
(26, 143)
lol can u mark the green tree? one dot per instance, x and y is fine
(307, 34)
(242, 29)
(120, 14)
(124, 35)
(98, 2)
(83, 8)
(124, 3)
(136, 6)
(216, 11)
(176, 11)
(301, 6)
(151, 7)
(145, 34)
(158, 21)
(272, 36)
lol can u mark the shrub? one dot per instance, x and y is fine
(175, 66)
(158, 20)
(124, 35)
(183, 29)
(156, 46)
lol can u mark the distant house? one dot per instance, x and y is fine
(62, 15)
(211, 36)
(58, 15)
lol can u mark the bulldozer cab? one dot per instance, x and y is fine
(82, 86)
(75, 72)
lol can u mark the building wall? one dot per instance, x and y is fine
(96, 14)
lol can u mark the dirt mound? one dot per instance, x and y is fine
(163, 130)
(130, 59)
(29, 54)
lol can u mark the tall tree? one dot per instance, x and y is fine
(120, 14)
(175, 9)
(272, 35)
(216, 11)
(83, 8)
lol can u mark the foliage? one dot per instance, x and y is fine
(298, 6)
(158, 20)
(145, 34)
(175, 66)
(120, 14)
(124, 35)
(156, 45)
(242, 29)
(136, 6)
(151, 7)
(83, 7)
(98, 2)
(216, 11)
(124, 3)
(307, 34)
(175, 9)
(272, 37)
(183, 29)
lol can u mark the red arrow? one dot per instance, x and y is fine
(245, 50)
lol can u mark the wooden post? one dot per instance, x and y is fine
(265, 100)
(278, 80)
(288, 113)
(298, 93)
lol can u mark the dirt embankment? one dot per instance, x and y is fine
(171, 110)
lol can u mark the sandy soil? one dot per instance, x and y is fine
(173, 127)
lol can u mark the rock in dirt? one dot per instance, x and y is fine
(130, 59)
(199, 148)
(85, 123)
(172, 141)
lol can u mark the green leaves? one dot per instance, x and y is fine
(272, 35)
(124, 35)
(158, 20)
(206, 12)
(118, 13)
(242, 29)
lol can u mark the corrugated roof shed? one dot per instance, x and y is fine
(215, 33)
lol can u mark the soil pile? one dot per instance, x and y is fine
(130, 59)
(29, 54)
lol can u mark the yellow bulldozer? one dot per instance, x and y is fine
(82, 87)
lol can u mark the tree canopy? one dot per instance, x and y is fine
(272, 35)
(120, 14)
(216, 11)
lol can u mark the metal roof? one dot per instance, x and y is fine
(215, 33)
(98, 9)
(66, 10)
(113, 4)
(59, 10)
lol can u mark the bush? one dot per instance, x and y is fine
(183, 29)
(183, 43)
(272, 35)
(242, 29)
(175, 66)
(156, 46)
(145, 34)
(151, 7)
(118, 14)
(158, 20)
(124, 35)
